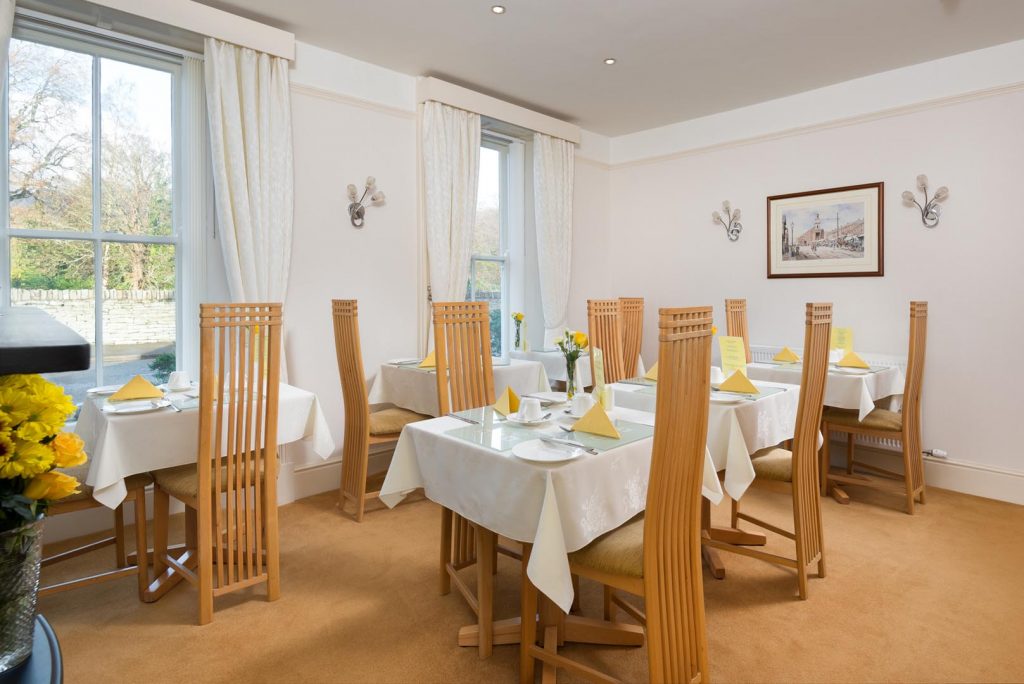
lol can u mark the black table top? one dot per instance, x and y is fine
(32, 341)
(44, 666)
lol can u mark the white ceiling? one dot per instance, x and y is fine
(677, 59)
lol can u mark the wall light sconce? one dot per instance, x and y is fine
(731, 222)
(930, 210)
(357, 209)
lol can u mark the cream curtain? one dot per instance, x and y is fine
(251, 146)
(6, 26)
(553, 168)
(451, 170)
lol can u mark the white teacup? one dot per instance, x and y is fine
(717, 376)
(529, 409)
(581, 403)
(836, 355)
(178, 380)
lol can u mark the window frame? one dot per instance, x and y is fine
(502, 146)
(33, 27)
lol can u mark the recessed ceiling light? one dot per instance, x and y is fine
(498, 9)
(609, 61)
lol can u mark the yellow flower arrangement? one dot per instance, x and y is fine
(32, 446)
(572, 344)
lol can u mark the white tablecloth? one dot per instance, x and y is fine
(558, 508)
(843, 391)
(415, 389)
(735, 431)
(123, 445)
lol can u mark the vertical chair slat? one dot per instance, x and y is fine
(736, 322)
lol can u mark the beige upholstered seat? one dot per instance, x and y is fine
(183, 481)
(774, 463)
(879, 419)
(620, 552)
(391, 420)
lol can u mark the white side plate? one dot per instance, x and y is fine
(539, 452)
(139, 406)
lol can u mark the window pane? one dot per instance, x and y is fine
(57, 276)
(136, 168)
(139, 321)
(487, 233)
(50, 138)
(487, 286)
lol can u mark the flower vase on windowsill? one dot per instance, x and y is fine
(572, 345)
(32, 449)
(517, 319)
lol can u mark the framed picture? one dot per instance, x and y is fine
(826, 233)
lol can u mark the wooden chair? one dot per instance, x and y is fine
(905, 427)
(736, 322)
(136, 486)
(798, 467)
(604, 320)
(658, 555)
(362, 428)
(632, 333)
(465, 380)
(230, 493)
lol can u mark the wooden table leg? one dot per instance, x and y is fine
(485, 547)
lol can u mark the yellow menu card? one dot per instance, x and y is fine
(734, 354)
(507, 403)
(737, 382)
(136, 388)
(598, 378)
(429, 362)
(596, 422)
(786, 356)
(652, 373)
(852, 360)
(842, 338)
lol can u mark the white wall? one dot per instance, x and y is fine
(664, 246)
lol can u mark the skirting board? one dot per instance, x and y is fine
(944, 473)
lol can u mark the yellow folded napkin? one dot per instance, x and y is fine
(429, 362)
(851, 360)
(596, 422)
(136, 388)
(738, 382)
(786, 356)
(652, 374)
(507, 403)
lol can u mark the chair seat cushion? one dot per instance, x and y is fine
(879, 419)
(131, 483)
(391, 420)
(182, 482)
(773, 463)
(619, 552)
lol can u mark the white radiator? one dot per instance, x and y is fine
(765, 353)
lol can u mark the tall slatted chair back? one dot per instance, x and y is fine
(806, 492)
(240, 348)
(736, 322)
(912, 392)
(604, 320)
(673, 584)
(462, 339)
(632, 332)
(353, 391)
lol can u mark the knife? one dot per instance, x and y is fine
(464, 419)
(570, 443)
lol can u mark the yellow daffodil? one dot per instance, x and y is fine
(28, 460)
(581, 340)
(51, 486)
(517, 316)
(714, 330)
(6, 447)
(68, 449)
(15, 404)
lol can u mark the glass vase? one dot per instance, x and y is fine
(570, 379)
(19, 584)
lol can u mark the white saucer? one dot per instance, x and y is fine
(137, 406)
(539, 452)
(514, 418)
(717, 398)
(103, 391)
(852, 371)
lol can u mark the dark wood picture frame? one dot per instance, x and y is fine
(879, 233)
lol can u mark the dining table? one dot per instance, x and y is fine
(846, 388)
(467, 464)
(555, 365)
(404, 384)
(121, 444)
